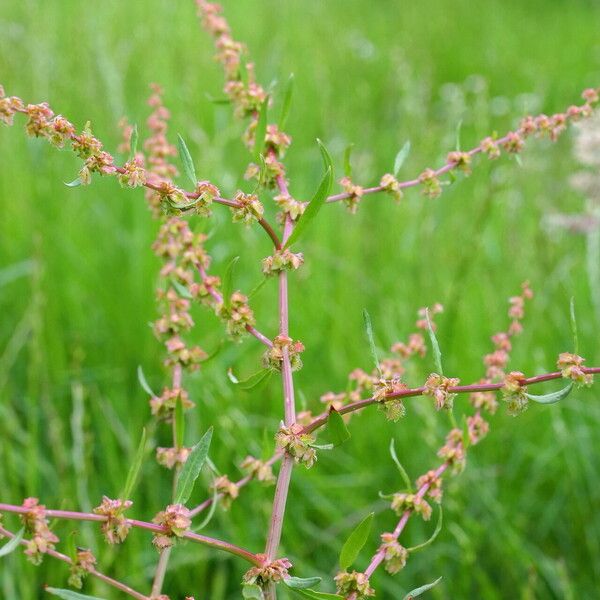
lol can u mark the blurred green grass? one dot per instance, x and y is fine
(77, 280)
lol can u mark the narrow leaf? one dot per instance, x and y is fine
(75, 183)
(458, 130)
(421, 590)
(326, 156)
(250, 382)
(13, 543)
(313, 208)
(70, 595)
(133, 142)
(191, 469)
(211, 510)
(299, 583)
(369, 332)
(261, 129)
(287, 102)
(228, 281)
(314, 595)
(574, 327)
(347, 163)
(144, 382)
(354, 544)
(215, 100)
(403, 473)
(186, 159)
(401, 157)
(338, 432)
(257, 287)
(181, 289)
(553, 397)
(251, 591)
(435, 533)
(437, 355)
(134, 470)
(179, 423)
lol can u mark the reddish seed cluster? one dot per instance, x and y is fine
(36, 524)
(176, 520)
(82, 564)
(437, 386)
(228, 490)
(273, 357)
(297, 444)
(275, 571)
(394, 554)
(282, 260)
(258, 469)
(353, 583)
(571, 367)
(116, 527)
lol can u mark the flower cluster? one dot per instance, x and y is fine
(477, 428)
(437, 386)
(453, 451)
(394, 554)
(275, 571)
(514, 393)
(353, 583)
(228, 489)
(273, 357)
(432, 188)
(290, 207)
(36, 524)
(355, 193)
(460, 160)
(163, 406)
(248, 208)
(297, 444)
(236, 314)
(282, 260)
(434, 485)
(391, 185)
(405, 501)
(570, 366)
(258, 469)
(116, 527)
(172, 457)
(176, 520)
(81, 565)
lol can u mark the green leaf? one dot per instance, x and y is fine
(420, 590)
(134, 470)
(347, 163)
(260, 377)
(228, 282)
(133, 142)
(261, 129)
(437, 355)
(458, 130)
(191, 469)
(70, 595)
(401, 157)
(287, 102)
(299, 583)
(403, 473)
(355, 543)
(338, 432)
(435, 533)
(144, 382)
(553, 397)
(214, 100)
(211, 510)
(257, 287)
(13, 543)
(369, 332)
(181, 289)
(186, 159)
(574, 327)
(251, 591)
(313, 208)
(314, 595)
(75, 183)
(326, 156)
(179, 423)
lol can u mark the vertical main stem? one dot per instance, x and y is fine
(163, 560)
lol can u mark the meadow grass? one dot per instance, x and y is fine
(77, 280)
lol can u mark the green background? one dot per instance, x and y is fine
(77, 282)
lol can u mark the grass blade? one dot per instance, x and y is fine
(191, 469)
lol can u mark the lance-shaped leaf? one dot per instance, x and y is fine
(70, 594)
(259, 378)
(12, 544)
(347, 163)
(75, 183)
(144, 382)
(179, 422)
(354, 544)
(401, 157)
(134, 470)
(421, 590)
(133, 142)
(370, 338)
(436, 532)
(437, 354)
(181, 289)
(186, 159)
(313, 208)
(314, 595)
(552, 397)
(401, 469)
(251, 591)
(191, 469)
(261, 129)
(299, 583)
(287, 102)
(228, 282)
(336, 428)
(574, 326)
